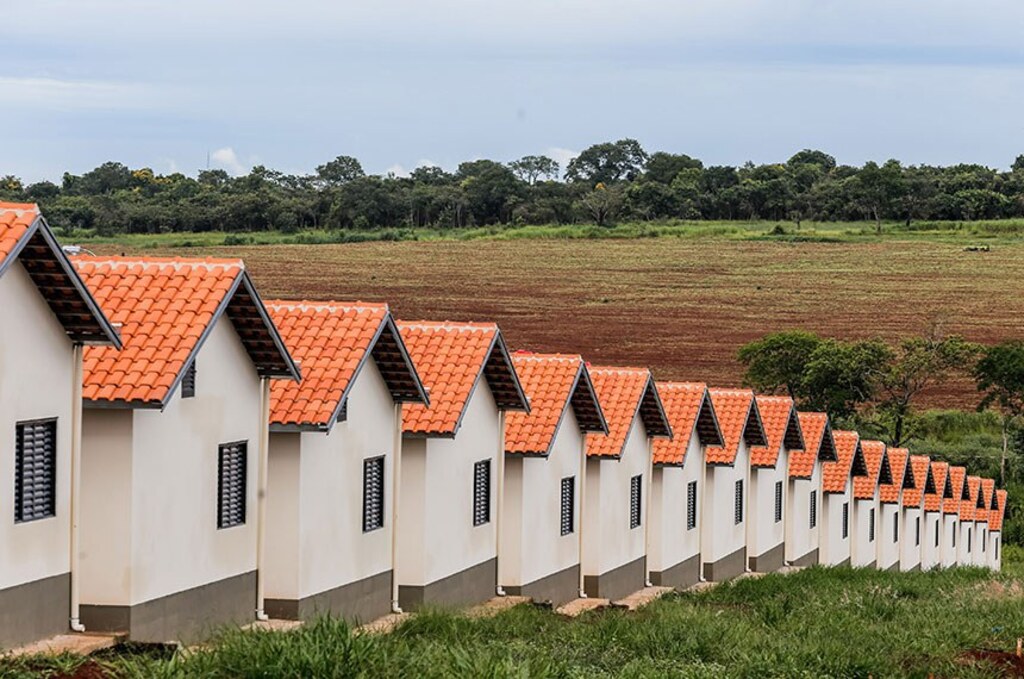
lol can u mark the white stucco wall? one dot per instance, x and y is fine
(35, 383)
(801, 539)
(931, 540)
(994, 552)
(315, 514)
(174, 541)
(863, 550)
(764, 533)
(889, 539)
(437, 537)
(670, 542)
(835, 549)
(608, 540)
(980, 555)
(532, 544)
(966, 544)
(720, 534)
(950, 540)
(910, 545)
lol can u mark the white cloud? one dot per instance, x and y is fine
(398, 170)
(561, 156)
(227, 159)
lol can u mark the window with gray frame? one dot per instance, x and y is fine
(691, 505)
(871, 525)
(955, 530)
(917, 531)
(568, 506)
(635, 492)
(737, 510)
(231, 482)
(482, 492)
(984, 539)
(373, 493)
(35, 470)
(896, 526)
(936, 532)
(813, 509)
(188, 381)
(846, 520)
(778, 501)
(968, 540)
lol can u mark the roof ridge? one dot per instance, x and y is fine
(531, 356)
(18, 208)
(682, 385)
(312, 305)
(208, 263)
(449, 325)
(616, 368)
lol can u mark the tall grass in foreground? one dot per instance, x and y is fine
(819, 622)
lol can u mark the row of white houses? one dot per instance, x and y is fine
(185, 456)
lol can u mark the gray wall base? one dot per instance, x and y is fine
(727, 567)
(684, 574)
(770, 561)
(35, 610)
(808, 559)
(556, 589)
(473, 585)
(618, 582)
(361, 601)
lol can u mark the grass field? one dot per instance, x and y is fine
(682, 302)
(816, 623)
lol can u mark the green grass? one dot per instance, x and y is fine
(819, 622)
(1006, 230)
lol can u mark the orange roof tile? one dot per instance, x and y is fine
(913, 496)
(690, 412)
(622, 393)
(898, 459)
(820, 445)
(781, 427)
(957, 481)
(834, 475)
(940, 473)
(164, 308)
(987, 499)
(553, 383)
(449, 358)
(15, 221)
(739, 420)
(876, 462)
(995, 517)
(968, 506)
(332, 340)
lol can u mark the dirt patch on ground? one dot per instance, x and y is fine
(87, 670)
(1006, 664)
(994, 589)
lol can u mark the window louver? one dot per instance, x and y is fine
(917, 531)
(936, 533)
(634, 501)
(813, 509)
(968, 540)
(35, 491)
(984, 540)
(481, 492)
(778, 501)
(188, 381)
(737, 510)
(231, 481)
(896, 527)
(846, 520)
(871, 525)
(373, 494)
(691, 505)
(568, 506)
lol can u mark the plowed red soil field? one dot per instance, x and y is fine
(682, 307)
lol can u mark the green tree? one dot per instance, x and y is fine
(532, 168)
(608, 162)
(778, 361)
(664, 167)
(877, 188)
(839, 376)
(602, 204)
(341, 170)
(999, 375)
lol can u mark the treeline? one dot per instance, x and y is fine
(606, 182)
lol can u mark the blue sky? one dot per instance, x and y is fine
(400, 83)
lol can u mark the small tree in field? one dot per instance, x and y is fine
(778, 361)
(1000, 377)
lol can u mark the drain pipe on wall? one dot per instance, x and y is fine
(261, 497)
(702, 488)
(396, 486)
(499, 504)
(647, 512)
(76, 480)
(747, 494)
(583, 493)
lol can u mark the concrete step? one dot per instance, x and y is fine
(578, 607)
(79, 644)
(639, 599)
(492, 607)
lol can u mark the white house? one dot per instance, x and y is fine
(986, 502)
(453, 463)
(890, 522)
(921, 482)
(723, 544)
(617, 482)
(48, 316)
(837, 477)
(769, 483)
(677, 488)
(334, 441)
(803, 511)
(951, 517)
(867, 506)
(931, 543)
(968, 539)
(545, 453)
(995, 525)
(174, 445)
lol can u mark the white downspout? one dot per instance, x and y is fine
(261, 497)
(583, 495)
(647, 511)
(749, 493)
(396, 486)
(500, 501)
(703, 490)
(76, 480)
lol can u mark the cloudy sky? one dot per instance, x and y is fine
(399, 83)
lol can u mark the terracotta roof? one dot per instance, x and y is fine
(739, 420)
(898, 459)
(625, 393)
(986, 500)
(968, 506)
(943, 489)
(876, 463)
(820, 445)
(958, 485)
(995, 517)
(553, 383)
(850, 462)
(913, 496)
(449, 358)
(332, 341)
(166, 308)
(25, 237)
(689, 411)
(781, 427)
